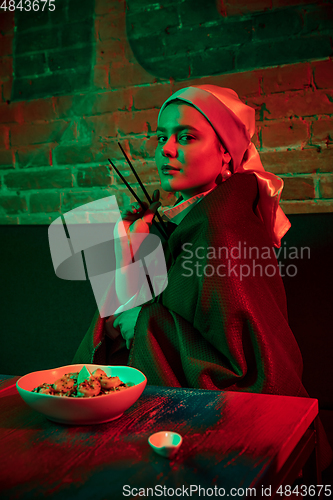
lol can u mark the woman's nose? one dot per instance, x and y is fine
(169, 148)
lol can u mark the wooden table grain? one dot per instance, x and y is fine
(230, 440)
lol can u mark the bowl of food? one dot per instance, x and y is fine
(82, 394)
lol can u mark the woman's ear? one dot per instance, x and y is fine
(226, 157)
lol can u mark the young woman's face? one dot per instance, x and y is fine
(188, 145)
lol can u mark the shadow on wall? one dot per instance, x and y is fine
(193, 39)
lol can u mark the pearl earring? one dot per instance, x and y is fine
(226, 174)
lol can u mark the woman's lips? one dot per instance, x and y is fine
(169, 170)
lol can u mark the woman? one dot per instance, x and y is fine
(221, 322)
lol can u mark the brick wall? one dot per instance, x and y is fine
(53, 49)
(55, 137)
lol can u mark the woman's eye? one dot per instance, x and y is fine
(162, 138)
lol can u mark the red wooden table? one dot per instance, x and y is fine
(230, 441)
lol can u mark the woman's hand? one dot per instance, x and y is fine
(125, 322)
(130, 231)
(136, 219)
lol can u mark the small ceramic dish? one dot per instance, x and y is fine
(165, 443)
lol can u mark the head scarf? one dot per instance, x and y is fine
(234, 124)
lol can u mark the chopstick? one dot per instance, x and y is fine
(142, 186)
(165, 235)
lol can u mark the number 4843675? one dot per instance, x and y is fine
(28, 5)
(305, 491)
